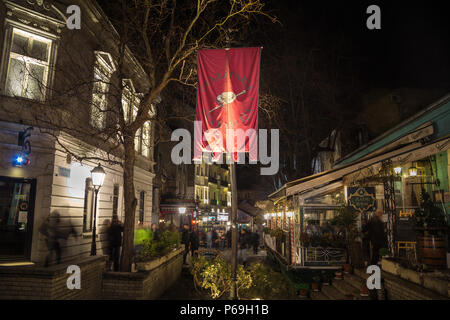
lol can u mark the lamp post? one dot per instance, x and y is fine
(98, 176)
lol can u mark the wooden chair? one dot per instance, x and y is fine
(407, 245)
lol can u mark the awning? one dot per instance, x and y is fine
(411, 152)
(243, 217)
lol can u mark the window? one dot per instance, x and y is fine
(87, 208)
(115, 199)
(28, 66)
(103, 70)
(141, 206)
(145, 142)
(130, 104)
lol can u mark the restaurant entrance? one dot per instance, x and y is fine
(16, 217)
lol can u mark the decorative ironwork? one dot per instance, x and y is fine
(326, 255)
(41, 3)
(389, 202)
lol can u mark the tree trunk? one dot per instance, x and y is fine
(130, 204)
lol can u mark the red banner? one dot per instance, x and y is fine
(227, 98)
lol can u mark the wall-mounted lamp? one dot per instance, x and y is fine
(412, 171)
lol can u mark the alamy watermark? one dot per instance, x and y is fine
(238, 142)
(374, 280)
(74, 280)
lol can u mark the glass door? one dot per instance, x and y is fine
(16, 217)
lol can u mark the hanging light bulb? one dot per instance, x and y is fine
(398, 170)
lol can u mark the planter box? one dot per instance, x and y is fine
(150, 282)
(411, 275)
(430, 281)
(150, 265)
(390, 266)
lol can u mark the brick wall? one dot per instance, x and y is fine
(143, 284)
(400, 289)
(51, 283)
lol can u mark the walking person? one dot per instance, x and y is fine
(215, 239)
(228, 237)
(115, 240)
(209, 239)
(255, 242)
(185, 239)
(51, 229)
(155, 231)
(365, 243)
(242, 245)
(376, 235)
(194, 241)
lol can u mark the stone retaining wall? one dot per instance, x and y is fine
(33, 283)
(145, 284)
(406, 284)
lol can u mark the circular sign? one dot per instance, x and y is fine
(23, 206)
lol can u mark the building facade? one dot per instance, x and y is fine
(213, 194)
(59, 85)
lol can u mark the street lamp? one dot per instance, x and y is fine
(98, 176)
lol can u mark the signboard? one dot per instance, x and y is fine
(222, 217)
(362, 199)
(63, 172)
(23, 217)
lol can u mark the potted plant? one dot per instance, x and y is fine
(346, 220)
(339, 275)
(315, 285)
(385, 253)
(364, 291)
(431, 226)
(303, 290)
(348, 268)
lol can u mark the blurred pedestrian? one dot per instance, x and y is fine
(243, 245)
(228, 237)
(156, 232)
(194, 241)
(255, 242)
(53, 232)
(209, 237)
(115, 240)
(376, 235)
(185, 239)
(215, 238)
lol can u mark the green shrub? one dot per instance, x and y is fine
(151, 248)
(215, 276)
(266, 283)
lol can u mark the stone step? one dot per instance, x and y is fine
(318, 295)
(346, 289)
(354, 280)
(332, 293)
(361, 273)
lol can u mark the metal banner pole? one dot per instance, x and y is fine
(234, 233)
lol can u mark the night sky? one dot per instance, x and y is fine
(411, 49)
